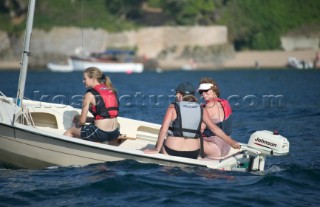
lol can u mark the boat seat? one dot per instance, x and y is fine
(43, 119)
(124, 136)
(119, 140)
(231, 153)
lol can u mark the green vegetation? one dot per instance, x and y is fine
(78, 13)
(189, 12)
(252, 24)
(67, 13)
(255, 24)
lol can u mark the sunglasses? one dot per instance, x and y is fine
(200, 92)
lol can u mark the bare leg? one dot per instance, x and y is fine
(73, 132)
(223, 146)
(211, 150)
(163, 151)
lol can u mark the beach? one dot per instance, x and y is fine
(247, 59)
(10, 65)
(268, 59)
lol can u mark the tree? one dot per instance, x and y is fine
(126, 10)
(190, 12)
(255, 24)
(17, 10)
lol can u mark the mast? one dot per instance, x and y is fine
(25, 54)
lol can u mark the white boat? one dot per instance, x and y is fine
(78, 63)
(299, 64)
(36, 140)
(31, 136)
(54, 67)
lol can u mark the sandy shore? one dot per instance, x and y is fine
(268, 59)
(10, 65)
(246, 59)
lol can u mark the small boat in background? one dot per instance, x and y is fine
(55, 67)
(299, 64)
(116, 61)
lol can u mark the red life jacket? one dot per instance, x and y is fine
(225, 106)
(107, 104)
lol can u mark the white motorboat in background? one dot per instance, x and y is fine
(299, 64)
(113, 61)
(55, 67)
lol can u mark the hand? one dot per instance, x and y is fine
(75, 121)
(75, 118)
(235, 145)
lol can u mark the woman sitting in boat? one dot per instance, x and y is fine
(219, 111)
(180, 131)
(102, 101)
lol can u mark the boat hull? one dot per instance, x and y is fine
(77, 64)
(23, 148)
(81, 64)
(28, 149)
(60, 67)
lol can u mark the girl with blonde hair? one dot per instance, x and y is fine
(102, 102)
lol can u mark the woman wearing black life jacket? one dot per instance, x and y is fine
(180, 131)
(102, 102)
(219, 111)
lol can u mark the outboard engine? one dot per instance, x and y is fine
(269, 143)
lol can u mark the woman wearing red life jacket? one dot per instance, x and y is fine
(220, 112)
(102, 102)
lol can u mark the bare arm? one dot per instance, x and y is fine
(76, 119)
(85, 108)
(215, 129)
(203, 127)
(163, 131)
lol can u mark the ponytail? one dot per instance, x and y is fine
(94, 72)
(106, 80)
(103, 79)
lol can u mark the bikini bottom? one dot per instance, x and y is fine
(187, 154)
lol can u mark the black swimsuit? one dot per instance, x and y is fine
(187, 154)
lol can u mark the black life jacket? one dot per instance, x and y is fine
(188, 121)
(107, 103)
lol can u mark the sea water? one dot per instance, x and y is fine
(284, 100)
